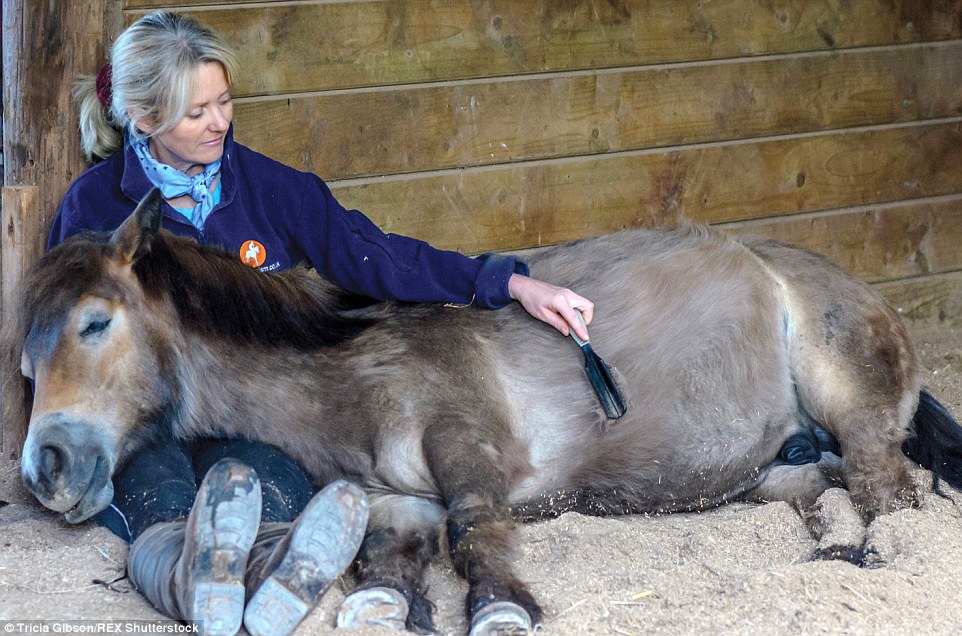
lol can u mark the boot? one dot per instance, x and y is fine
(193, 570)
(292, 565)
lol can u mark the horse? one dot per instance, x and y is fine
(754, 371)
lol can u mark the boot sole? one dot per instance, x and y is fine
(217, 608)
(325, 540)
(223, 534)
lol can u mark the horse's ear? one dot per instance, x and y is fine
(133, 238)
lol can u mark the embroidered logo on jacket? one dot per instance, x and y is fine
(253, 253)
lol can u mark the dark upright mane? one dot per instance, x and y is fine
(219, 296)
(214, 293)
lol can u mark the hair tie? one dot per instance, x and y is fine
(104, 87)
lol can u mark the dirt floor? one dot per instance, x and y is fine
(740, 569)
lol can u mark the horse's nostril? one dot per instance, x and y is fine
(51, 461)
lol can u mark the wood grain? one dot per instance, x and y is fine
(46, 45)
(540, 203)
(877, 242)
(366, 133)
(935, 300)
(312, 46)
(20, 246)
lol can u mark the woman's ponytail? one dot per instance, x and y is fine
(99, 136)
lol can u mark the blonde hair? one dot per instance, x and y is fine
(152, 64)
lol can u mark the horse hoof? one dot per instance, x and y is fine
(375, 606)
(500, 618)
(847, 553)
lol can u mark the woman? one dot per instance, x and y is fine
(161, 113)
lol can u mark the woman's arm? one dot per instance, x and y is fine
(348, 248)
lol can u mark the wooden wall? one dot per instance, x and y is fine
(498, 124)
(506, 124)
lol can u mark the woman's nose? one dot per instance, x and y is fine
(220, 120)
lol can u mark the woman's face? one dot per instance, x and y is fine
(198, 138)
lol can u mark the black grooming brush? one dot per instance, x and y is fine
(599, 374)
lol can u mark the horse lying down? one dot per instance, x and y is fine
(754, 371)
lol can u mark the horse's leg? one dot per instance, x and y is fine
(839, 528)
(473, 474)
(801, 485)
(827, 510)
(402, 538)
(855, 371)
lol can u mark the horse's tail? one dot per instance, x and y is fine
(937, 443)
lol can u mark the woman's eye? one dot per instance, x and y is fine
(95, 327)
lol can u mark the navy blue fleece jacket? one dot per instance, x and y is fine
(275, 217)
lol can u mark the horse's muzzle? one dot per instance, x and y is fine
(67, 466)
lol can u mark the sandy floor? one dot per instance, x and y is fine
(739, 569)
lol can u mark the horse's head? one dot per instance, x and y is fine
(102, 331)
(88, 350)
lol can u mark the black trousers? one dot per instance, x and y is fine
(160, 483)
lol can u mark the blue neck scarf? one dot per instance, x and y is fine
(173, 183)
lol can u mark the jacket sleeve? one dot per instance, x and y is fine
(347, 247)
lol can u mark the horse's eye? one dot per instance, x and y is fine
(95, 327)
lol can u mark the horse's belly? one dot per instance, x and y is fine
(660, 462)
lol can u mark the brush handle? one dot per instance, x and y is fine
(581, 343)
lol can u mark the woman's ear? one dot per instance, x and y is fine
(140, 120)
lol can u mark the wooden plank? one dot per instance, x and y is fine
(354, 134)
(931, 300)
(167, 4)
(875, 243)
(45, 46)
(311, 46)
(539, 203)
(20, 246)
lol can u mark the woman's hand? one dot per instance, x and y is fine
(551, 304)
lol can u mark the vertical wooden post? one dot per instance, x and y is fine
(20, 245)
(46, 45)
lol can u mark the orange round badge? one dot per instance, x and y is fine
(253, 253)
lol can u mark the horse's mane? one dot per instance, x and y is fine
(218, 295)
(214, 293)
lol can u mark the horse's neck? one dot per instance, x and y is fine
(238, 389)
(250, 347)
(289, 399)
